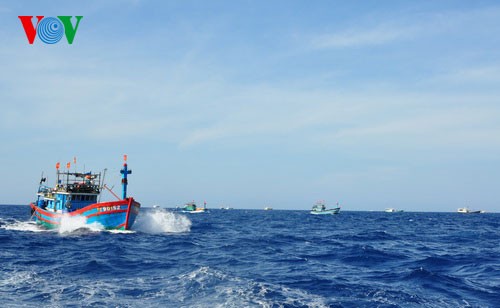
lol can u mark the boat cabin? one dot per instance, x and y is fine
(72, 192)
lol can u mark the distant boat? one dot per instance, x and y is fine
(319, 208)
(156, 206)
(465, 210)
(392, 210)
(267, 208)
(191, 208)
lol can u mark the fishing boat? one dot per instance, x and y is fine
(319, 208)
(392, 210)
(465, 210)
(78, 195)
(191, 208)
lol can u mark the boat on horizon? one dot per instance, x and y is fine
(392, 210)
(78, 195)
(319, 208)
(268, 208)
(466, 210)
(191, 208)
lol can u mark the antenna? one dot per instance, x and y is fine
(102, 184)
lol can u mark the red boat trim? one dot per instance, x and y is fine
(97, 205)
(128, 212)
(52, 222)
(39, 212)
(44, 212)
(106, 213)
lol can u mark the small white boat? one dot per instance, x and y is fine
(465, 210)
(156, 206)
(319, 208)
(392, 210)
(267, 208)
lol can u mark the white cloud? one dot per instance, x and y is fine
(466, 128)
(405, 27)
(360, 37)
(485, 75)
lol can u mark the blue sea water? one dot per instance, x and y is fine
(254, 258)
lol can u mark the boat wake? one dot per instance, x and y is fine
(156, 221)
(68, 225)
(161, 221)
(16, 225)
(71, 224)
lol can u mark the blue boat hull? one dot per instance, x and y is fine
(114, 215)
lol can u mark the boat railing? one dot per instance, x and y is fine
(76, 182)
(82, 188)
(43, 189)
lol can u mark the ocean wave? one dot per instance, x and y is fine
(367, 255)
(254, 259)
(240, 292)
(13, 224)
(162, 221)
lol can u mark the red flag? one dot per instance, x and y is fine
(68, 165)
(125, 157)
(58, 165)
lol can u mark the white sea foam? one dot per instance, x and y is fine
(202, 287)
(13, 280)
(72, 223)
(161, 221)
(22, 226)
(121, 231)
(239, 292)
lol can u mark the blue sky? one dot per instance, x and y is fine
(249, 104)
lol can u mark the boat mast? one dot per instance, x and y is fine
(68, 167)
(57, 168)
(101, 184)
(124, 173)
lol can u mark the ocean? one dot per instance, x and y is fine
(254, 258)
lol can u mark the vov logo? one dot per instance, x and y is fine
(50, 29)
